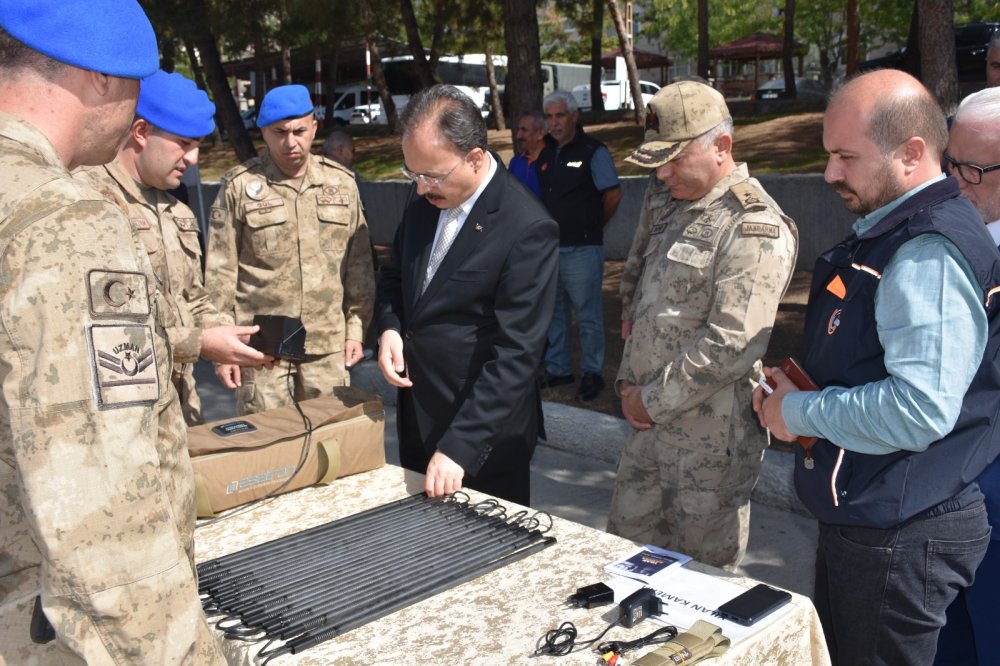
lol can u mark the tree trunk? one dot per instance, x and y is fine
(331, 85)
(260, 72)
(491, 77)
(703, 40)
(789, 48)
(199, 78)
(911, 60)
(633, 74)
(226, 110)
(852, 36)
(938, 68)
(168, 53)
(385, 97)
(524, 69)
(596, 50)
(423, 68)
(196, 68)
(286, 65)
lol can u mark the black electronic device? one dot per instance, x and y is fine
(230, 428)
(280, 336)
(757, 602)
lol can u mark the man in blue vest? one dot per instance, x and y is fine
(973, 157)
(581, 190)
(901, 333)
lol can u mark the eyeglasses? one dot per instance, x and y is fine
(428, 181)
(970, 173)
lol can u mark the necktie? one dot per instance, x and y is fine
(445, 240)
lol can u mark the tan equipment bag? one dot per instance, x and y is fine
(348, 436)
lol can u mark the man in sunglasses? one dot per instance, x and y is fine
(289, 237)
(902, 332)
(973, 157)
(463, 305)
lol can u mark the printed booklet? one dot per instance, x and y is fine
(647, 563)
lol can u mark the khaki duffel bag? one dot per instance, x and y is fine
(245, 458)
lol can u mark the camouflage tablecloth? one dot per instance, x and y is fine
(493, 620)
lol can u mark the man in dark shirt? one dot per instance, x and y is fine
(581, 190)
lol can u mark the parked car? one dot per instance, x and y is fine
(971, 42)
(804, 89)
(367, 114)
(615, 94)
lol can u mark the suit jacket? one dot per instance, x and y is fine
(473, 340)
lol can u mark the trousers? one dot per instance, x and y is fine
(881, 594)
(264, 389)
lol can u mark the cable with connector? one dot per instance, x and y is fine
(631, 611)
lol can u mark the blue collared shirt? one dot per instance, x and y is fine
(932, 326)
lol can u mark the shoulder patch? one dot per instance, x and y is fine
(124, 365)
(748, 196)
(117, 294)
(760, 229)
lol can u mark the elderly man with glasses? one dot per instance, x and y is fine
(973, 156)
(463, 305)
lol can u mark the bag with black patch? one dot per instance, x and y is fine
(245, 458)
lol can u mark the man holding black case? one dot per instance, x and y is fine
(289, 237)
(901, 335)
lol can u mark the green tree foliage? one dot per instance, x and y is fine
(673, 24)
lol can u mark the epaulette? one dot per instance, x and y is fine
(748, 195)
(242, 168)
(334, 163)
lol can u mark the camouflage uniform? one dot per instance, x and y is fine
(702, 285)
(170, 235)
(98, 508)
(294, 247)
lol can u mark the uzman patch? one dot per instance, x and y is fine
(124, 365)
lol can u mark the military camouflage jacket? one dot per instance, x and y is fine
(303, 251)
(169, 232)
(97, 512)
(702, 285)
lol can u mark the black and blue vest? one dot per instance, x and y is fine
(568, 191)
(841, 348)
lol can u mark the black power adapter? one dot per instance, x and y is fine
(639, 605)
(589, 596)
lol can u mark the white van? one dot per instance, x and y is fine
(616, 96)
(347, 98)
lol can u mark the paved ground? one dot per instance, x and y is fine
(573, 476)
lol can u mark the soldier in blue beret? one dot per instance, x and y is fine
(289, 237)
(97, 516)
(172, 116)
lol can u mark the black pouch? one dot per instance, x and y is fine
(280, 336)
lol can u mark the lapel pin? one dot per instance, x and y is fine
(479, 227)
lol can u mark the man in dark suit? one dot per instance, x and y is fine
(464, 304)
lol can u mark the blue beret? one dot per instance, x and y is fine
(108, 36)
(174, 103)
(284, 102)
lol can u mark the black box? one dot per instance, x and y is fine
(280, 336)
